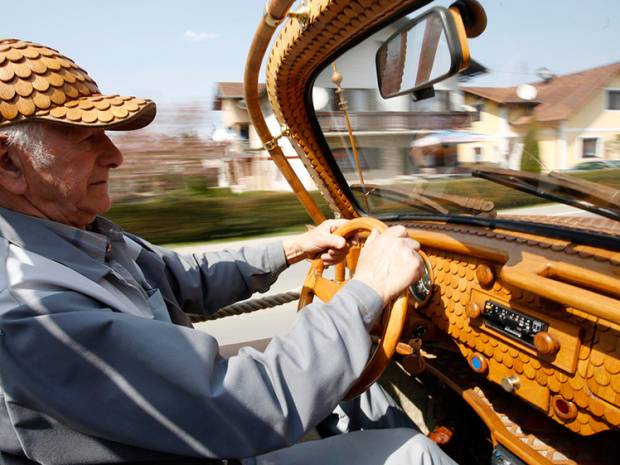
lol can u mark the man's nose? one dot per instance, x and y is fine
(111, 156)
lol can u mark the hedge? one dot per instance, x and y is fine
(191, 216)
(196, 215)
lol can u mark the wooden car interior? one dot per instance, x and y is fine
(548, 395)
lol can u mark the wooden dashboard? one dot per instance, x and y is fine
(573, 373)
(574, 290)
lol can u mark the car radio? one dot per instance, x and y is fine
(512, 323)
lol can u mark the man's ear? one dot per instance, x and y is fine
(11, 173)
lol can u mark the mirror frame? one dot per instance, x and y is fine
(457, 44)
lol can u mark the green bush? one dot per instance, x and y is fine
(530, 158)
(202, 215)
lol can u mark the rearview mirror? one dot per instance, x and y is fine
(426, 50)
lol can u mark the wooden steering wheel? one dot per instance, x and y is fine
(393, 319)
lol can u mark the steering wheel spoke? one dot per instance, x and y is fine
(352, 257)
(325, 288)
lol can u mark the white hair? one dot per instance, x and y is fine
(29, 137)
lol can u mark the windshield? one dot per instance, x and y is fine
(530, 127)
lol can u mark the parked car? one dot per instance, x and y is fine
(511, 340)
(596, 165)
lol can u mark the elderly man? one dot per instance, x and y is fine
(98, 361)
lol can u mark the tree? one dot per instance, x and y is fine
(612, 147)
(530, 158)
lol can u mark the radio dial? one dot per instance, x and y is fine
(546, 344)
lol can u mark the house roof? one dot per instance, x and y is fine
(231, 90)
(557, 99)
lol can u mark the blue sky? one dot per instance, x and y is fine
(176, 51)
(168, 51)
(562, 35)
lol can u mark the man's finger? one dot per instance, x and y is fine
(397, 231)
(335, 224)
(335, 242)
(330, 259)
(372, 236)
(415, 245)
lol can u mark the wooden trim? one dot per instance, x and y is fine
(295, 57)
(276, 9)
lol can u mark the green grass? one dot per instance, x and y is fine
(283, 231)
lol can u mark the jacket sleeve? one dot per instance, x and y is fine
(205, 282)
(164, 388)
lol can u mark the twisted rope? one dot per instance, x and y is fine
(249, 306)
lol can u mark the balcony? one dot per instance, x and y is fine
(382, 121)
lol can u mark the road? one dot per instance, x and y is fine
(261, 324)
(267, 323)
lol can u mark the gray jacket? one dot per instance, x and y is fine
(85, 380)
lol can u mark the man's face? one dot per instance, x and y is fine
(72, 188)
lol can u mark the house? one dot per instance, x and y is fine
(577, 117)
(385, 130)
(245, 165)
(391, 124)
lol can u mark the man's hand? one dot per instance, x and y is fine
(389, 262)
(319, 240)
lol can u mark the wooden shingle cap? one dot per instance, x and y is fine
(38, 83)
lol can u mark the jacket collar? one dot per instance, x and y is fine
(33, 234)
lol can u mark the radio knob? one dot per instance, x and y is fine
(510, 383)
(546, 344)
(473, 310)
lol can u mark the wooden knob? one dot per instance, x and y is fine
(473, 310)
(564, 409)
(546, 344)
(414, 364)
(403, 348)
(485, 275)
(479, 363)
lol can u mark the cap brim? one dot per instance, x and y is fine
(104, 111)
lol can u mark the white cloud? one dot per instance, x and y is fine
(194, 36)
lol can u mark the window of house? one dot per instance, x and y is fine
(369, 157)
(613, 99)
(360, 99)
(244, 131)
(588, 149)
(477, 154)
(408, 162)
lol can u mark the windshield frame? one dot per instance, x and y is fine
(309, 103)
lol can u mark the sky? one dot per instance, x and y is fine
(562, 35)
(169, 51)
(175, 51)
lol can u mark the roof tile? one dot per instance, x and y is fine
(231, 90)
